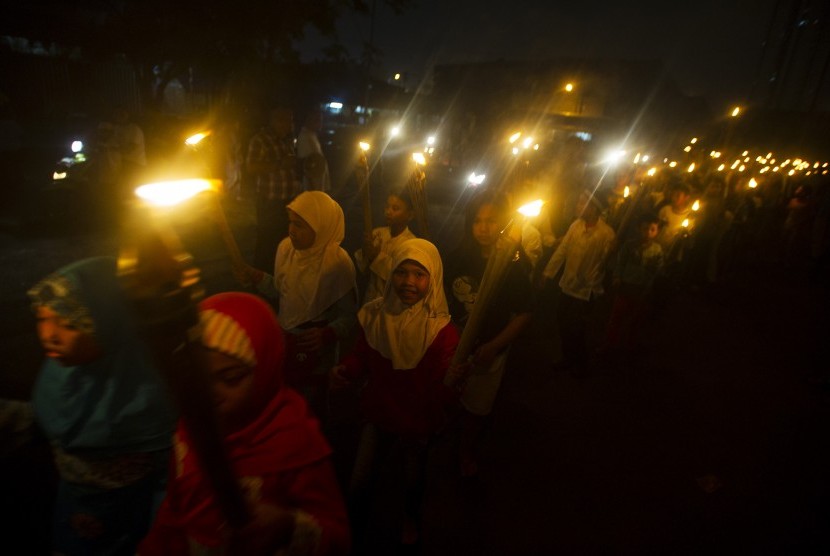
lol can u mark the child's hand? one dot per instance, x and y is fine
(370, 250)
(245, 274)
(485, 355)
(270, 529)
(458, 373)
(336, 379)
(311, 340)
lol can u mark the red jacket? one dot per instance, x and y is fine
(412, 402)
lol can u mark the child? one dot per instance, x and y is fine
(314, 287)
(404, 350)
(582, 252)
(671, 218)
(374, 259)
(638, 263)
(101, 402)
(275, 448)
(487, 214)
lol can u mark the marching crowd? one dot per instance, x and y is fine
(130, 480)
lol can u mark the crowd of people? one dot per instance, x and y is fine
(130, 475)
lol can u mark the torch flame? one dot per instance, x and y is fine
(696, 205)
(196, 138)
(685, 223)
(169, 193)
(532, 208)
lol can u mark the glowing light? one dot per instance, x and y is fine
(395, 131)
(431, 140)
(651, 171)
(613, 157)
(169, 193)
(569, 87)
(58, 176)
(815, 165)
(515, 137)
(77, 146)
(528, 141)
(741, 168)
(691, 168)
(769, 155)
(532, 208)
(696, 205)
(336, 105)
(515, 150)
(735, 164)
(196, 138)
(721, 167)
(419, 158)
(536, 147)
(687, 148)
(791, 172)
(476, 179)
(824, 165)
(693, 141)
(736, 111)
(637, 159)
(752, 183)
(808, 172)
(775, 169)
(764, 170)
(645, 158)
(685, 223)
(364, 146)
(626, 192)
(672, 164)
(397, 77)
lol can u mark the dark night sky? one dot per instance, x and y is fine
(712, 47)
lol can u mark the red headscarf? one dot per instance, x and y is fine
(284, 435)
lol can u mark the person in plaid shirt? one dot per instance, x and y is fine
(271, 164)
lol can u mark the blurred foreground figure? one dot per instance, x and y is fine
(102, 404)
(274, 445)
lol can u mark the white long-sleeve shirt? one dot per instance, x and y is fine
(583, 252)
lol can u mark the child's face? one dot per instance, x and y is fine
(649, 231)
(63, 341)
(301, 234)
(232, 386)
(679, 199)
(410, 281)
(397, 214)
(486, 226)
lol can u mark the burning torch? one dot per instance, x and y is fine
(416, 185)
(495, 271)
(162, 282)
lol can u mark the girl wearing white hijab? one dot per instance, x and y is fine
(314, 287)
(404, 349)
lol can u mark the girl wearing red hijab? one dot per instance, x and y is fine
(273, 444)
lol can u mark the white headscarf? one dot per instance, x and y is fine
(403, 333)
(312, 280)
